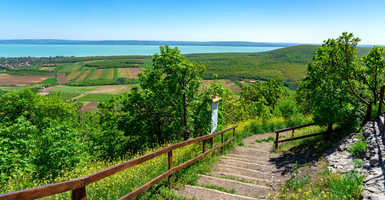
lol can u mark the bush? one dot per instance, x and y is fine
(59, 148)
(358, 149)
(16, 145)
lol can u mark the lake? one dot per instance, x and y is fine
(23, 50)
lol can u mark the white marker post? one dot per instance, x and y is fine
(214, 114)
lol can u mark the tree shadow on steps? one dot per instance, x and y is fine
(308, 152)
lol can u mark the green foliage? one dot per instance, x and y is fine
(339, 84)
(38, 135)
(325, 185)
(16, 145)
(358, 149)
(49, 81)
(266, 92)
(59, 149)
(288, 64)
(358, 163)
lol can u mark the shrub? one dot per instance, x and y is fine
(16, 145)
(358, 149)
(59, 148)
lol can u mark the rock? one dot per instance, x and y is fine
(366, 134)
(374, 162)
(340, 160)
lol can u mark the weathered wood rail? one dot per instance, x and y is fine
(78, 186)
(277, 141)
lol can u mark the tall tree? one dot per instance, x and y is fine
(339, 84)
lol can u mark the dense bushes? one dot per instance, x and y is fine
(38, 135)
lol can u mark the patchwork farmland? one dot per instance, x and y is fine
(102, 72)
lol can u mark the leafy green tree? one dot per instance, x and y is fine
(262, 96)
(174, 81)
(339, 85)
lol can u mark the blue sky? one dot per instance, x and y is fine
(302, 21)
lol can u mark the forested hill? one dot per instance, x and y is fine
(288, 64)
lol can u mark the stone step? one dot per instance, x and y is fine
(248, 179)
(246, 189)
(243, 171)
(260, 162)
(254, 159)
(247, 165)
(250, 151)
(197, 192)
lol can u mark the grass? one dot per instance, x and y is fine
(232, 191)
(269, 139)
(323, 185)
(285, 146)
(358, 149)
(69, 92)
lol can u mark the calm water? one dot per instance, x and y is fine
(19, 50)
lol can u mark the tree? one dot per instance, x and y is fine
(338, 84)
(174, 81)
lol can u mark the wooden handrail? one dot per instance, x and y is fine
(277, 132)
(78, 185)
(295, 127)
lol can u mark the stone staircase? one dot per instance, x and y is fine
(246, 173)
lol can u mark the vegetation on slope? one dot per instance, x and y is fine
(288, 64)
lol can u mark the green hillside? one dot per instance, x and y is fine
(288, 64)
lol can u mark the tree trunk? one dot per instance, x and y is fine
(368, 113)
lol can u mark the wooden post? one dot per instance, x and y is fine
(292, 133)
(234, 132)
(212, 142)
(204, 146)
(223, 141)
(79, 194)
(329, 131)
(381, 100)
(169, 167)
(276, 140)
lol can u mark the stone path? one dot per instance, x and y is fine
(246, 173)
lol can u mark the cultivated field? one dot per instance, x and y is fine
(7, 79)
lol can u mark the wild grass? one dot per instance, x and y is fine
(324, 185)
(358, 149)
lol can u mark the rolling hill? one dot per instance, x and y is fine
(288, 64)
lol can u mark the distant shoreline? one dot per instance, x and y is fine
(144, 42)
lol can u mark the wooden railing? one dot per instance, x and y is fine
(78, 186)
(277, 141)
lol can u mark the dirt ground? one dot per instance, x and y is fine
(61, 78)
(135, 72)
(89, 107)
(6, 79)
(110, 89)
